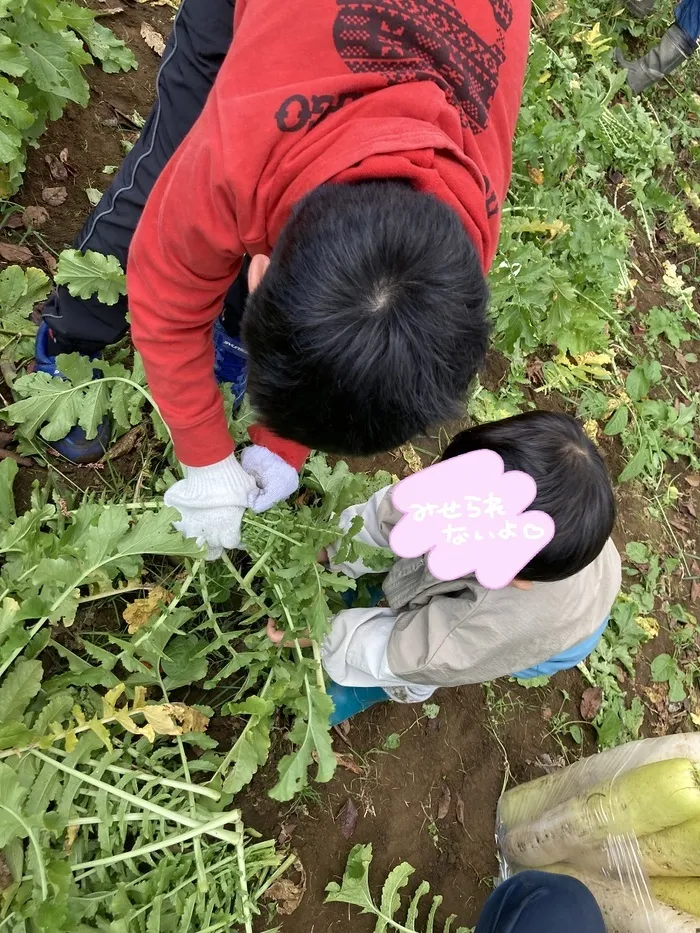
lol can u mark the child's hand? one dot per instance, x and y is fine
(277, 637)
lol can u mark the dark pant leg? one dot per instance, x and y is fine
(234, 302)
(200, 38)
(537, 902)
(688, 18)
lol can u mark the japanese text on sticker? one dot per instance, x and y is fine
(469, 516)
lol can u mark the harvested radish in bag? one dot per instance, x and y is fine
(626, 823)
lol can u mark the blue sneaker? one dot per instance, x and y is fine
(74, 446)
(349, 701)
(230, 360)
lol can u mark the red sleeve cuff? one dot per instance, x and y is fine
(292, 453)
(204, 443)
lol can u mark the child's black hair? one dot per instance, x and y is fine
(370, 322)
(573, 485)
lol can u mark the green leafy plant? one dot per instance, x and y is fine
(43, 48)
(98, 830)
(355, 890)
(90, 273)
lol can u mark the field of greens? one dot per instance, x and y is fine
(163, 767)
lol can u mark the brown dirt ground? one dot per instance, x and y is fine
(471, 748)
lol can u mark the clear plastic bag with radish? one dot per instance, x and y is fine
(626, 822)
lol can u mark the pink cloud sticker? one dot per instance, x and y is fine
(469, 515)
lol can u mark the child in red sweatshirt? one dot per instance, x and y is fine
(360, 154)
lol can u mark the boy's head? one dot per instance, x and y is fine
(573, 486)
(369, 323)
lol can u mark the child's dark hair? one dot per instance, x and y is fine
(573, 485)
(370, 322)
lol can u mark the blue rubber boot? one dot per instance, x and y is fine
(230, 361)
(75, 446)
(349, 701)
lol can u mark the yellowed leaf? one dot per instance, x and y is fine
(138, 613)
(71, 835)
(412, 458)
(536, 175)
(152, 38)
(649, 625)
(71, 741)
(101, 732)
(592, 40)
(593, 359)
(124, 719)
(174, 718)
(78, 715)
(552, 228)
(139, 697)
(591, 429)
(110, 698)
(683, 226)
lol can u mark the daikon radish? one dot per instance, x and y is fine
(681, 893)
(529, 801)
(674, 852)
(644, 800)
(629, 911)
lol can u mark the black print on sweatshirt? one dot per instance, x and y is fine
(411, 40)
(426, 40)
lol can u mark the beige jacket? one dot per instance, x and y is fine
(444, 634)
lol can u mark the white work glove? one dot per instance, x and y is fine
(212, 500)
(275, 479)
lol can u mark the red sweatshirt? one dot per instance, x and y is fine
(314, 91)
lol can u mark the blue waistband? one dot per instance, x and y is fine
(566, 659)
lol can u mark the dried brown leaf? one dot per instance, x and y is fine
(536, 175)
(54, 197)
(693, 480)
(50, 260)
(286, 893)
(695, 591)
(285, 834)
(13, 221)
(443, 807)
(459, 812)
(58, 169)
(35, 216)
(347, 818)
(6, 878)
(152, 38)
(557, 9)
(679, 524)
(126, 443)
(140, 611)
(11, 253)
(590, 703)
(19, 460)
(349, 763)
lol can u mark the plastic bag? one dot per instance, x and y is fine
(626, 822)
